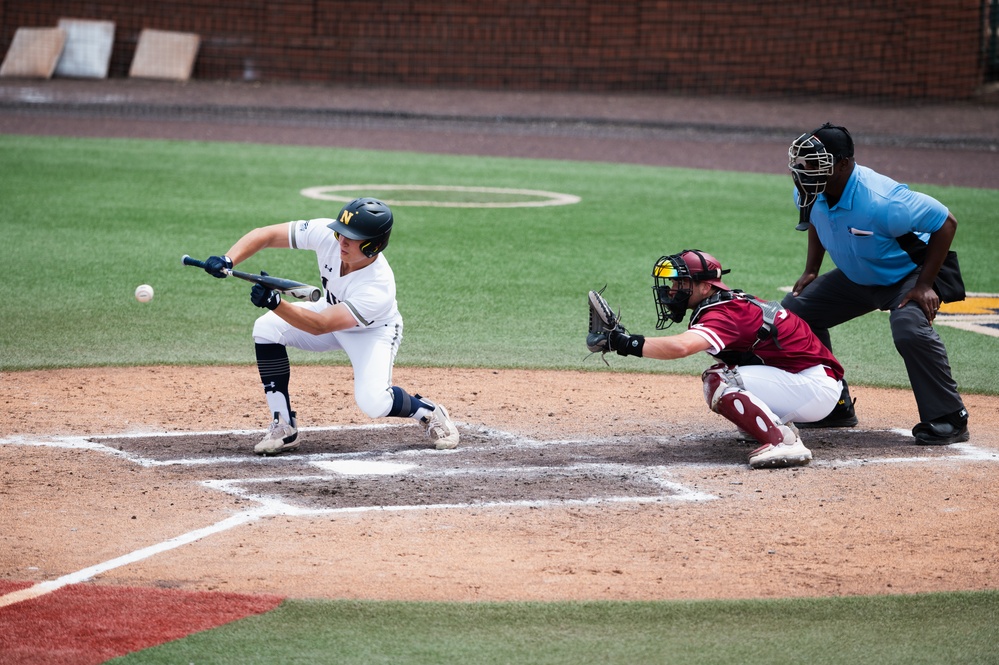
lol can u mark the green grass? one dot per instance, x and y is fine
(948, 628)
(86, 220)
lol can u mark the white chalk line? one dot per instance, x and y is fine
(268, 507)
(967, 452)
(85, 574)
(326, 193)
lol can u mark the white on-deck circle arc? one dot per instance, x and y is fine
(329, 193)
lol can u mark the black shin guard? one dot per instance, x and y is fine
(274, 368)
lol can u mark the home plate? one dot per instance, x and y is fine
(364, 468)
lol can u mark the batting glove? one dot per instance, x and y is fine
(261, 296)
(216, 264)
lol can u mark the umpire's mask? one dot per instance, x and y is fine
(810, 165)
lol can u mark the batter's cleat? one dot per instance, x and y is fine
(440, 429)
(940, 433)
(790, 452)
(281, 436)
(842, 415)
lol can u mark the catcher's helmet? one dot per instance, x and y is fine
(365, 219)
(692, 264)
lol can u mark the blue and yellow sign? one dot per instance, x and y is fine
(979, 312)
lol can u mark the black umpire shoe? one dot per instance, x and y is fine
(842, 415)
(946, 430)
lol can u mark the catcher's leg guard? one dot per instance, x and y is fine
(717, 379)
(726, 396)
(751, 416)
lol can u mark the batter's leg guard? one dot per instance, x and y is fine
(275, 375)
(431, 415)
(405, 405)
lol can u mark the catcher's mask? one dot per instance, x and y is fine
(670, 296)
(365, 219)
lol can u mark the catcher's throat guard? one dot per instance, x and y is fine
(674, 277)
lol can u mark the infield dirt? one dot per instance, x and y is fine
(861, 519)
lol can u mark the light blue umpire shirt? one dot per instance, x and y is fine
(860, 231)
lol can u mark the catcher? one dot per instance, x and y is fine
(772, 369)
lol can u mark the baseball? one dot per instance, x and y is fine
(143, 293)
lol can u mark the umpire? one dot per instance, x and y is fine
(891, 247)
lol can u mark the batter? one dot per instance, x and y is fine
(359, 316)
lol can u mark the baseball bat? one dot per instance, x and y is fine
(289, 287)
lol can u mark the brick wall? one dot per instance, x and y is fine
(896, 49)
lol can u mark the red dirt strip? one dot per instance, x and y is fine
(86, 625)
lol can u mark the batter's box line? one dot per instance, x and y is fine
(271, 506)
(967, 452)
(86, 442)
(655, 475)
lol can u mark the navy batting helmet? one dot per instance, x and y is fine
(365, 219)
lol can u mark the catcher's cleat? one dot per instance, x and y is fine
(790, 452)
(440, 429)
(281, 436)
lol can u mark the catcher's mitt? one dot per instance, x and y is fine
(603, 321)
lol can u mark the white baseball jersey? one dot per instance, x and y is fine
(369, 293)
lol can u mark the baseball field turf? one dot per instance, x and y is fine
(88, 220)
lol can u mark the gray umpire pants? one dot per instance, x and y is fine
(833, 299)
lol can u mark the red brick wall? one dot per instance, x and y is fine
(897, 49)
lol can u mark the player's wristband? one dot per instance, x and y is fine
(627, 345)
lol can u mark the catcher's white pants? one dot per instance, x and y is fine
(371, 352)
(804, 397)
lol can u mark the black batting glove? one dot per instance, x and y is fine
(261, 296)
(214, 266)
(625, 344)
